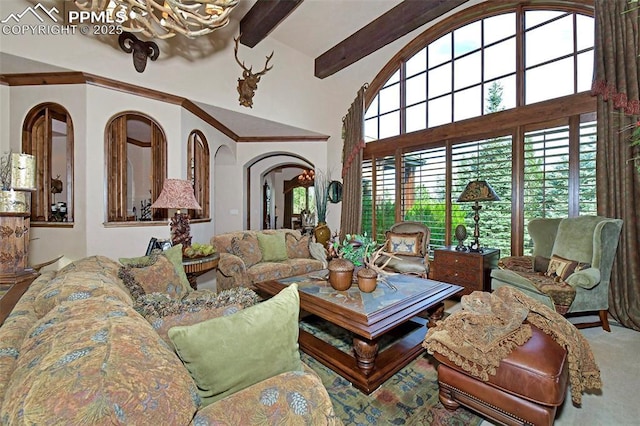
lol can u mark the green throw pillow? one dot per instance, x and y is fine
(272, 246)
(174, 254)
(227, 354)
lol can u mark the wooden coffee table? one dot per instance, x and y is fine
(368, 316)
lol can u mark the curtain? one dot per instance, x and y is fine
(618, 180)
(353, 137)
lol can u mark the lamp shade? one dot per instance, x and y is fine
(176, 194)
(478, 190)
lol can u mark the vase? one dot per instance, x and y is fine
(322, 233)
(340, 274)
(367, 280)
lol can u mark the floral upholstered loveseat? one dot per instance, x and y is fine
(248, 257)
(77, 349)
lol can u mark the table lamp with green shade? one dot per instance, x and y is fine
(475, 191)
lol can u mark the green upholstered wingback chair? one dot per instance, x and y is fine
(410, 263)
(591, 240)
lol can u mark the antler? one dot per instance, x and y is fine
(235, 53)
(371, 261)
(266, 68)
(266, 65)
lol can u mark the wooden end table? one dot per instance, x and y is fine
(469, 269)
(368, 316)
(198, 266)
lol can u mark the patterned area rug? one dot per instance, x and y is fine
(410, 397)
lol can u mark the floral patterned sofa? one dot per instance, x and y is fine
(248, 257)
(77, 349)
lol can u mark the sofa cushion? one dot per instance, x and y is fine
(158, 275)
(174, 255)
(163, 312)
(272, 246)
(227, 354)
(78, 285)
(303, 266)
(98, 362)
(247, 248)
(265, 271)
(297, 245)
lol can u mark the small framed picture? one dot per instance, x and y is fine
(155, 243)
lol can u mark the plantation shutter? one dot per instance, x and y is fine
(423, 189)
(489, 160)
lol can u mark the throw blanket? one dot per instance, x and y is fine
(490, 326)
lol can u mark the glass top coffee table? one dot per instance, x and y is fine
(368, 316)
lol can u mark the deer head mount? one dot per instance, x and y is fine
(248, 84)
(141, 50)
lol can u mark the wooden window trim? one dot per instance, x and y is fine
(41, 208)
(116, 169)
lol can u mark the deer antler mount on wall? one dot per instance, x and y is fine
(248, 84)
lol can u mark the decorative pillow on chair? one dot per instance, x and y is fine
(404, 244)
(560, 268)
(227, 354)
(273, 247)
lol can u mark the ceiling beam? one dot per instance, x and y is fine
(262, 18)
(397, 22)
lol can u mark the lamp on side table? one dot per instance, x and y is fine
(178, 194)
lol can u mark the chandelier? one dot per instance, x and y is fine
(307, 177)
(163, 19)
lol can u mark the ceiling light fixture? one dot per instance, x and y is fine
(163, 19)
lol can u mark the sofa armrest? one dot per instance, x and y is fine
(587, 278)
(231, 272)
(292, 398)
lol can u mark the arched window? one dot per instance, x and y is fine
(500, 95)
(198, 172)
(136, 157)
(48, 134)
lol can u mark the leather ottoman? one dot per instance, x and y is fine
(528, 387)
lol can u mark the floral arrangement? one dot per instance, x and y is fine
(357, 248)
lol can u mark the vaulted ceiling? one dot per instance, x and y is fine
(340, 33)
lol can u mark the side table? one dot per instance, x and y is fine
(469, 269)
(198, 266)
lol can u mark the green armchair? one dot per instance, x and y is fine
(570, 267)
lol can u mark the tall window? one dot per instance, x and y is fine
(198, 172)
(48, 134)
(503, 97)
(136, 156)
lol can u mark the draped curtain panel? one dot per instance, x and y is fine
(618, 180)
(353, 137)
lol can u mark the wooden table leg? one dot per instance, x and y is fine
(365, 352)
